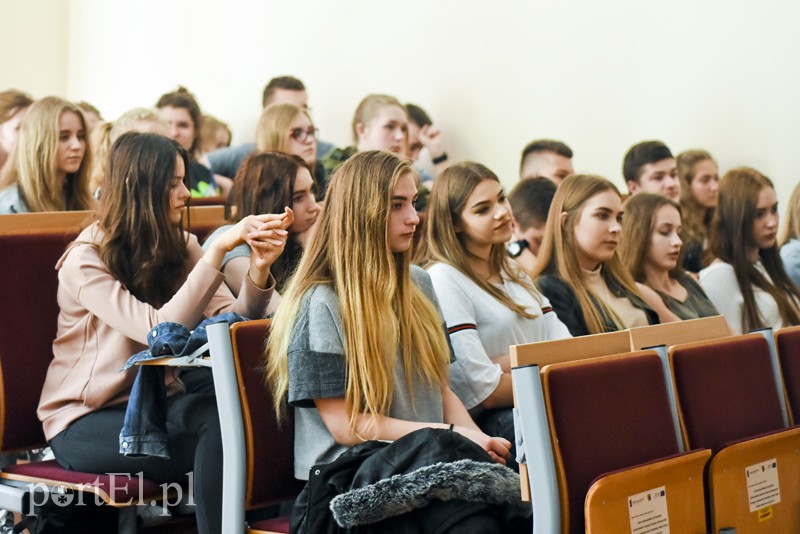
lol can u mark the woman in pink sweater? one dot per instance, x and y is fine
(130, 270)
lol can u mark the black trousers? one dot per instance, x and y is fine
(91, 444)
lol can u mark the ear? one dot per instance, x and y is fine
(360, 129)
(633, 187)
(564, 217)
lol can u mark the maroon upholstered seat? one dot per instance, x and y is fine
(117, 489)
(607, 415)
(28, 315)
(726, 390)
(278, 524)
(788, 340)
(269, 442)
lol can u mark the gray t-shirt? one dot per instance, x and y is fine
(317, 368)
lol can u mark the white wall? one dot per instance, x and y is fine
(717, 74)
(33, 46)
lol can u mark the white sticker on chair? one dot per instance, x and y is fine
(763, 488)
(648, 512)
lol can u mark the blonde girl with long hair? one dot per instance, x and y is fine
(52, 162)
(578, 268)
(488, 302)
(652, 251)
(747, 282)
(357, 345)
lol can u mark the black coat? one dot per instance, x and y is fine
(428, 481)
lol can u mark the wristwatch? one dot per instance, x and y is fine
(515, 248)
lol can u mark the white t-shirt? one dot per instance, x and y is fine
(481, 328)
(719, 282)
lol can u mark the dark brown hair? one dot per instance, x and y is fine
(265, 184)
(142, 248)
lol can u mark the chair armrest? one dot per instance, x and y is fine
(730, 504)
(607, 509)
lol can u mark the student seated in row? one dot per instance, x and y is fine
(129, 271)
(51, 165)
(699, 177)
(269, 182)
(650, 167)
(652, 250)
(357, 345)
(578, 268)
(487, 300)
(530, 203)
(747, 282)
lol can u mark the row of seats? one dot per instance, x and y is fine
(693, 434)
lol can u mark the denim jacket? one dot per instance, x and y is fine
(144, 432)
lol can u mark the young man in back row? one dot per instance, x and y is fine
(650, 167)
(548, 158)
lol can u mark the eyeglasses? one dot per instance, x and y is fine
(302, 134)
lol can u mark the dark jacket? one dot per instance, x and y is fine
(566, 305)
(430, 477)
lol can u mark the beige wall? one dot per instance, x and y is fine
(33, 46)
(718, 74)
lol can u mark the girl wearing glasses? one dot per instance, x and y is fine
(288, 128)
(268, 182)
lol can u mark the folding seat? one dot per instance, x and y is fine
(617, 456)
(28, 286)
(730, 401)
(269, 442)
(788, 342)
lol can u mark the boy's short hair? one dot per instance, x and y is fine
(289, 83)
(640, 155)
(545, 145)
(530, 201)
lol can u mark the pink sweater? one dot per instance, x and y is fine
(100, 325)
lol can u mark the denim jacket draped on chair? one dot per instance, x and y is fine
(144, 432)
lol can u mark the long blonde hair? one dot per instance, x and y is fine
(559, 251)
(381, 308)
(34, 166)
(444, 244)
